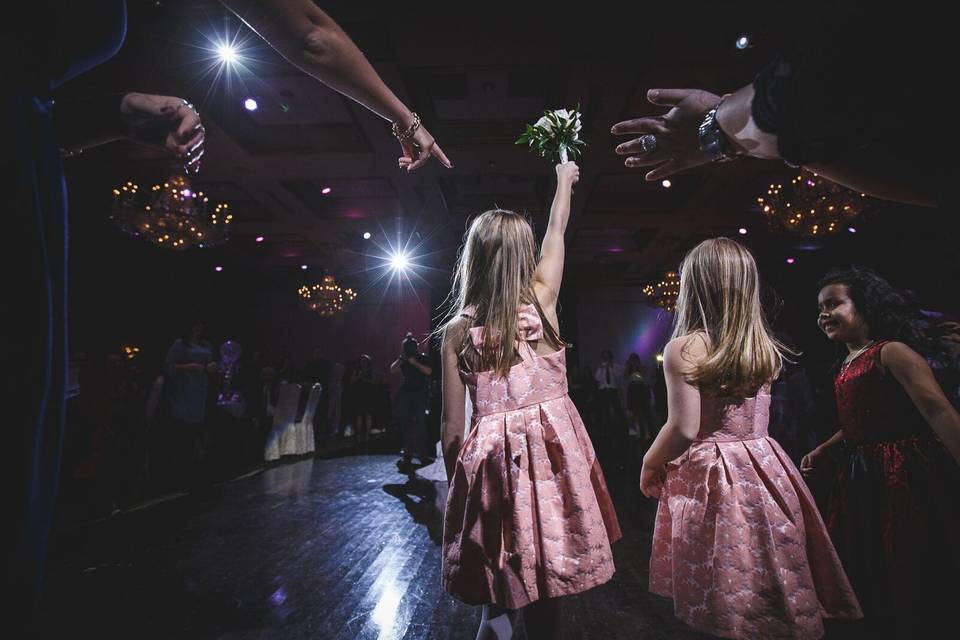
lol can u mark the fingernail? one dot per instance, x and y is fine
(653, 93)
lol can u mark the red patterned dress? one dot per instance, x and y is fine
(894, 512)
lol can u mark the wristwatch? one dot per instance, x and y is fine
(713, 141)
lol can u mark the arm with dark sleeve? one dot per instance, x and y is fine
(838, 100)
(89, 122)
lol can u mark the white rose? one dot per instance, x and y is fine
(564, 116)
(544, 123)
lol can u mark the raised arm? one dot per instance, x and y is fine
(549, 272)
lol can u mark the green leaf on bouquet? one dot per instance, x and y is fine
(557, 132)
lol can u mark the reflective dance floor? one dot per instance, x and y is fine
(317, 548)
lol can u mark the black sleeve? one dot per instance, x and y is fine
(843, 81)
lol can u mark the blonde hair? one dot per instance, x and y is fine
(492, 279)
(720, 296)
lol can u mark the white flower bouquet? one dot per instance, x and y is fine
(555, 135)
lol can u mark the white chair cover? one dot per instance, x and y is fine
(281, 439)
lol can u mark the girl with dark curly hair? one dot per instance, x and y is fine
(894, 511)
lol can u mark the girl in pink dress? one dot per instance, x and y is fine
(528, 516)
(738, 542)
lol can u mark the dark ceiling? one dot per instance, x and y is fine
(475, 72)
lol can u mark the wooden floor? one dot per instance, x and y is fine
(337, 548)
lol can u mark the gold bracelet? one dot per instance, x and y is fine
(403, 136)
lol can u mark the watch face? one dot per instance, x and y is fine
(709, 134)
(712, 145)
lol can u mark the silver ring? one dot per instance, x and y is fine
(648, 143)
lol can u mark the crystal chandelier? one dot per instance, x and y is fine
(326, 298)
(812, 205)
(172, 215)
(664, 293)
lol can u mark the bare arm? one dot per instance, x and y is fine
(835, 439)
(683, 401)
(395, 366)
(683, 411)
(549, 273)
(306, 36)
(454, 396)
(914, 374)
(808, 463)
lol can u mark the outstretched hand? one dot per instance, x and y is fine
(166, 122)
(417, 150)
(667, 143)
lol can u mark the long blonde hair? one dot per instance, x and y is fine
(492, 279)
(720, 296)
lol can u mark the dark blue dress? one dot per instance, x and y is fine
(46, 44)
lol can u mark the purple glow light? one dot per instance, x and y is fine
(303, 267)
(250, 104)
(218, 269)
(742, 231)
(790, 260)
(259, 239)
(852, 229)
(326, 191)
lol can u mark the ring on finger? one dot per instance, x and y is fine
(648, 143)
